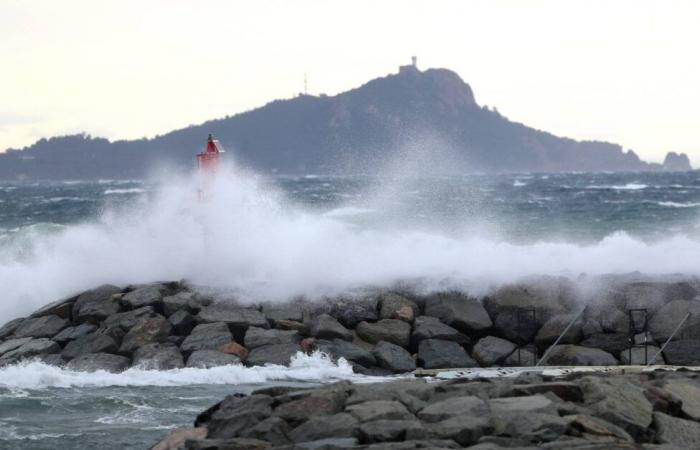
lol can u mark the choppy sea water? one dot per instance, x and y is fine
(276, 238)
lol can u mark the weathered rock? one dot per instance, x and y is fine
(236, 317)
(182, 301)
(148, 295)
(90, 343)
(128, 319)
(350, 311)
(71, 333)
(390, 430)
(640, 356)
(594, 426)
(286, 311)
(96, 304)
(99, 361)
(209, 336)
(653, 295)
(618, 401)
(257, 337)
(392, 357)
(12, 344)
(427, 327)
(451, 407)
(465, 430)
(379, 410)
(565, 390)
(391, 305)
(611, 343)
(459, 311)
(612, 320)
(683, 353)
(158, 356)
(439, 354)
(548, 295)
(61, 308)
(537, 427)
(492, 351)
(318, 403)
(32, 348)
(574, 355)
(156, 329)
(234, 348)
(321, 427)
(292, 325)
(339, 348)
(689, 393)
(43, 326)
(53, 359)
(389, 330)
(10, 327)
(279, 354)
(325, 326)
(669, 316)
(527, 357)
(182, 322)
(272, 429)
(227, 444)
(553, 328)
(235, 414)
(676, 431)
(176, 438)
(206, 359)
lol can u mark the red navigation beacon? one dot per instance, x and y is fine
(208, 159)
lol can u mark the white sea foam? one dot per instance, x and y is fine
(124, 191)
(518, 183)
(244, 236)
(623, 187)
(313, 368)
(679, 205)
(348, 211)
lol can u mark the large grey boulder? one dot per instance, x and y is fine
(528, 356)
(205, 359)
(38, 327)
(641, 356)
(148, 295)
(10, 327)
(670, 315)
(612, 343)
(492, 351)
(12, 344)
(392, 357)
(90, 343)
(465, 430)
(321, 427)
(155, 329)
(618, 401)
(456, 406)
(379, 410)
(391, 430)
(685, 352)
(272, 429)
(652, 295)
(158, 356)
(459, 311)
(389, 330)
(128, 319)
(96, 304)
(71, 333)
(182, 322)
(208, 336)
(285, 311)
(391, 305)
(279, 354)
(339, 348)
(325, 326)
(555, 326)
(427, 327)
(30, 349)
(350, 311)
(689, 393)
(574, 355)
(61, 308)
(257, 337)
(236, 317)
(99, 361)
(440, 354)
(676, 431)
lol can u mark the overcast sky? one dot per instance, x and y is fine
(622, 71)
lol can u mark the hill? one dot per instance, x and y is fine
(431, 113)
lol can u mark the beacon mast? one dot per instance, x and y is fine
(208, 162)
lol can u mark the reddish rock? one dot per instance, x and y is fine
(308, 345)
(234, 348)
(404, 313)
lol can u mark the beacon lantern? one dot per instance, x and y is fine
(208, 159)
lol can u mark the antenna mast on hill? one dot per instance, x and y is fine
(306, 92)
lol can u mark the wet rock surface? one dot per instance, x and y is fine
(161, 325)
(578, 411)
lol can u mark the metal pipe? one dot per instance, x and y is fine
(546, 354)
(669, 339)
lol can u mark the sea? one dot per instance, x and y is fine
(272, 238)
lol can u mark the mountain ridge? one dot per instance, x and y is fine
(432, 112)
